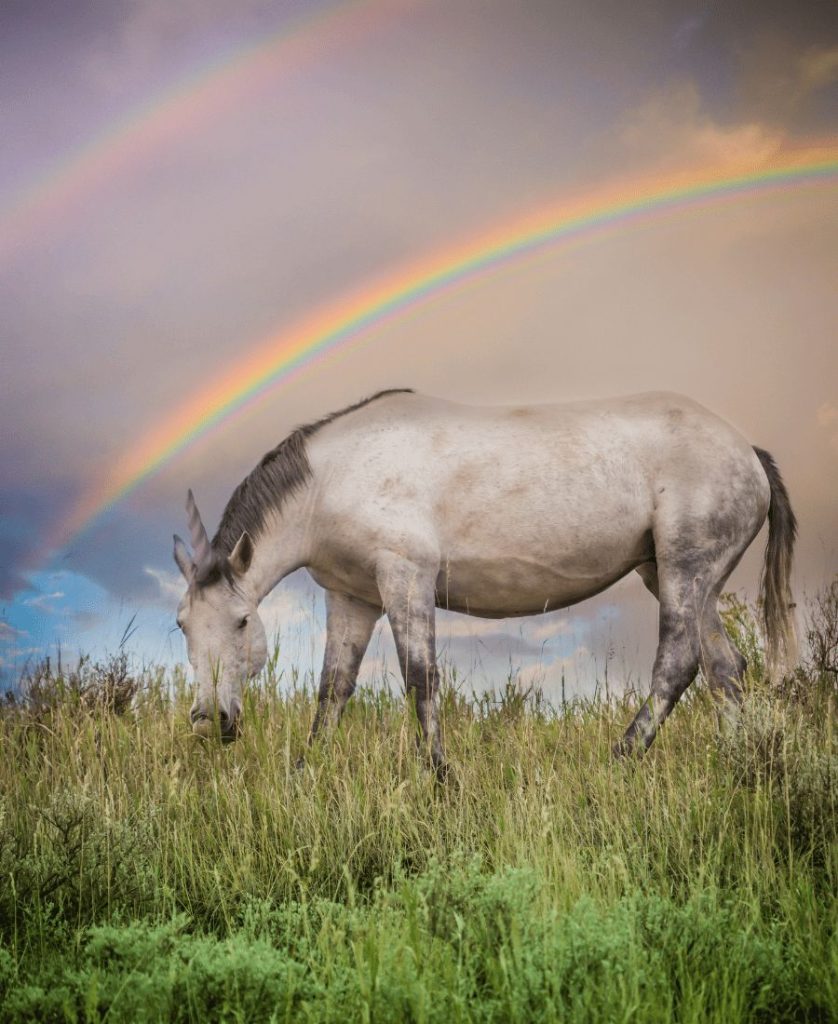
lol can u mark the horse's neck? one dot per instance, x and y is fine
(283, 544)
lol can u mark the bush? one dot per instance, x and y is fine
(822, 635)
(107, 687)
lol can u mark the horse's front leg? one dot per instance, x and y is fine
(407, 590)
(349, 626)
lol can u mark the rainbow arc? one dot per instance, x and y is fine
(272, 361)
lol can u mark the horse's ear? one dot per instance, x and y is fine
(242, 555)
(183, 559)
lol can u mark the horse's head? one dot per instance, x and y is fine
(225, 637)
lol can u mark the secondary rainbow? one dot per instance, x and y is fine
(215, 86)
(274, 360)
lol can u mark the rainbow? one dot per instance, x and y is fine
(218, 85)
(275, 360)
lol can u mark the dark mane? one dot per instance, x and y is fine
(280, 472)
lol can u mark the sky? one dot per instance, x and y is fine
(180, 182)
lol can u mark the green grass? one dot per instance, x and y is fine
(147, 876)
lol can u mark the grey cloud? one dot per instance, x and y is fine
(85, 620)
(27, 515)
(784, 82)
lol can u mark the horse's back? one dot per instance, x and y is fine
(417, 447)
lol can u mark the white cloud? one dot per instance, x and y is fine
(576, 674)
(547, 628)
(170, 584)
(287, 611)
(42, 601)
(827, 414)
(9, 632)
(828, 419)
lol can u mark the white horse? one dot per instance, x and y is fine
(404, 503)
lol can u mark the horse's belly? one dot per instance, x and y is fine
(519, 584)
(524, 554)
(492, 596)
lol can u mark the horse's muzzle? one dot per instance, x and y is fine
(220, 725)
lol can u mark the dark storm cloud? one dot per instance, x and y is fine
(25, 516)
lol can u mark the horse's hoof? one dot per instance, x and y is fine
(623, 750)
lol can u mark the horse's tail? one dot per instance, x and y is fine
(775, 585)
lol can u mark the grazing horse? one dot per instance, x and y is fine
(403, 503)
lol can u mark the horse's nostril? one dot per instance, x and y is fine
(215, 722)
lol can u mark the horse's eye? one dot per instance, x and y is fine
(243, 622)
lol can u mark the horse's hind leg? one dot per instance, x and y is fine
(691, 570)
(681, 595)
(721, 662)
(686, 585)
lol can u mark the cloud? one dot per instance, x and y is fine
(783, 81)
(688, 29)
(42, 601)
(546, 628)
(9, 632)
(85, 619)
(146, 35)
(27, 515)
(578, 673)
(817, 69)
(294, 607)
(827, 414)
(11, 668)
(170, 585)
(672, 130)
(828, 419)
(496, 646)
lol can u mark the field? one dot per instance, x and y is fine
(148, 876)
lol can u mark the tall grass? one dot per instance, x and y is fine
(145, 875)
